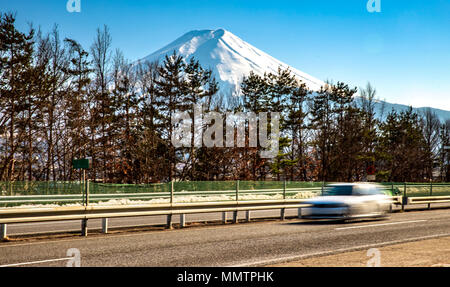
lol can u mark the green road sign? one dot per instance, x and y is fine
(81, 163)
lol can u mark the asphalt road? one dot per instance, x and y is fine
(75, 225)
(96, 224)
(253, 244)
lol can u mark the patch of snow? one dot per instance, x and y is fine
(177, 199)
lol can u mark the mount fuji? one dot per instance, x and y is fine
(230, 59)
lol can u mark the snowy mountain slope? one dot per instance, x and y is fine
(231, 58)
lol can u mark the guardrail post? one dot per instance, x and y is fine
(87, 192)
(3, 231)
(171, 193)
(224, 217)
(405, 198)
(431, 193)
(84, 227)
(235, 217)
(83, 187)
(299, 213)
(105, 225)
(169, 221)
(283, 214)
(235, 213)
(182, 220)
(247, 216)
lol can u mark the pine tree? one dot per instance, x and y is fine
(321, 125)
(444, 151)
(296, 127)
(126, 105)
(148, 138)
(103, 113)
(78, 105)
(53, 61)
(16, 56)
(401, 149)
(431, 128)
(171, 93)
(370, 136)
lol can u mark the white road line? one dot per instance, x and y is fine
(381, 224)
(332, 252)
(36, 262)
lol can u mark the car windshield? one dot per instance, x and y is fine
(338, 190)
(367, 190)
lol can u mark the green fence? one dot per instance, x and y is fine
(423, 189)
(65, 188)
(61, 193)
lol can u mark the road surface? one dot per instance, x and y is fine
(252, 244)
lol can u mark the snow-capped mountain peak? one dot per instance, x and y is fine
(229, 57)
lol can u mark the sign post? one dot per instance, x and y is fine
(84, 164)
(371, 173)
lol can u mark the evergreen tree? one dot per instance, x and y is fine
(321, 125)
(78, 107)
(171, 94)
(370, 123)
(16, 72)
(103, 113)
(401, 150)
(296, 127)
(444, 151)
(431, 128)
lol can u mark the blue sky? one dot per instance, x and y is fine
(404, 51)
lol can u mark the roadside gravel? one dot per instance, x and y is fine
(427, 253)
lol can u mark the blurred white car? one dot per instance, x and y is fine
(349, 201)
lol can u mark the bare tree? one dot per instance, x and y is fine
(101, 57)
(431, 127)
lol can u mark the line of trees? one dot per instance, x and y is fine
(60, 101)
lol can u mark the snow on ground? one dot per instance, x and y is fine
(177, 199)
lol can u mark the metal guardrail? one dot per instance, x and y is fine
(397, 200)
(428, 199)
(9, 216)
(84, 213)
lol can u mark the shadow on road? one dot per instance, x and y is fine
(317, 222)
(335, 221)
